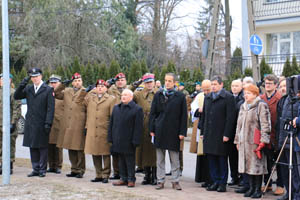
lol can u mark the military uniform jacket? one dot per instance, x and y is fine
(57, 121)
(40, 111)
(114, 91)
(73, 120)
(144, 99)
(98, 115)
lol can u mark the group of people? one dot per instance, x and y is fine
(247, 128)
(113, 121)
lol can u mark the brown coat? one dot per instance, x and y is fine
(97, 122)
(146, 151)
(56, 125)
(247, 122)
(273, 110)
(74, 118)
(114, 91)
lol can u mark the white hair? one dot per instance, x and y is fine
(127, 91)
(248, 79)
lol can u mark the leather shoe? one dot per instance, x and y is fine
(159, 186)
(114, 177)
(221, 188)
(205, 185)
(213, 187)
(33, 174)
(279, 191)
(131, 184)
(105, 180)
(42, 174)
(139, 170)
(176, 186)
(242, 190)
(79, 176)
(72, 174)
(120, 183)
(57, 171)
(97, 180)
(168, 174)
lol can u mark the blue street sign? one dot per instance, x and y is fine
(256, 44)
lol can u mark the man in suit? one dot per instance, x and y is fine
(217, 121)
(39, 117)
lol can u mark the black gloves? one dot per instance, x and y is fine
(25, 81)
(67, 82)
(47, 128)
(84, 131)
(90, 87)
(137, 83)
(12, 128)
(112, 81)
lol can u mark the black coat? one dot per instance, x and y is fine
(218, 120)
(125, 128)
(168, 120)
(40, 111)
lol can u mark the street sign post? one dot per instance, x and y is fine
(256, 45)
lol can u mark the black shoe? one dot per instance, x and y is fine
(221, 188)
(97, 180)
(79, 176)
(234, 182)
(33, 174)
(168, 174)
(139, 170)
(242, 190)
(284, 197)
(205, 185)
(213, 187)
(72, 174)
(154, 176)
(42, 174)
(57, 171)
(257, 182)
(105, 180)
(114, 177)
(51, 170)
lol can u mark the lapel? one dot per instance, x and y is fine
(42, 88)
(221, 95)
(103, 98)
(273, 100)
(75, 94)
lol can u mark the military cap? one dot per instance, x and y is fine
(101, 82)
(34, 72)
(10, 76)
(120, 75)
(54, 78)
(198, 83)
(76, 76)
(148, 78)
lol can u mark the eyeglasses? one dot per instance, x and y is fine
(269, 83)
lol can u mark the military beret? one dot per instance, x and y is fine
(76, 76)
(181, 84)
(120, 75)
(101, 82)
(10, 76)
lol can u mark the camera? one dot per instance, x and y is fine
(287, 124)
(292, 85)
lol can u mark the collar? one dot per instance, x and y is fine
(38, 86)
(130, 104)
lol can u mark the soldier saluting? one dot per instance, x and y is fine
(39, 117)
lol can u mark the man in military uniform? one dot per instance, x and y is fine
(181, 89)
(116, 91)
(146, 153)
(15, 114)
(55, 154)
(39, 117)
(99, 105)
(74, 119)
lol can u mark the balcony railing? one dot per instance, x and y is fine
(276, 62)
(266, 9)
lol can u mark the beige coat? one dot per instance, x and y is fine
(73, 120)
(97, 122)
(146, 151)
(56, 125)
(247, 122)
(114, 91)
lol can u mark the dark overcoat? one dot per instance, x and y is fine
(168, 120)
(218, 120)
(40, 111)
(125, 128)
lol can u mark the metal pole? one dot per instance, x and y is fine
(6, 96)
(290, 166)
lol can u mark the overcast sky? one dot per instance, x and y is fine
(191, 8)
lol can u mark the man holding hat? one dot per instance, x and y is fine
(99, 105)
(146, 153)
(15, 114)
(74, 119)
(55, 154)
(39, 117)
